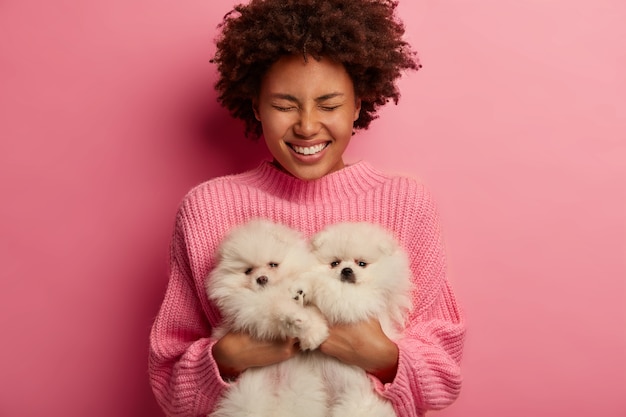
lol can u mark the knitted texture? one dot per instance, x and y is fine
(184, 376)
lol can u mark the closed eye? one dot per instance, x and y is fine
(283, 108)
(248, 271)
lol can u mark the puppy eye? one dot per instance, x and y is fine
(248, 271)
(273, 265)
(361, 264)
(334, 264)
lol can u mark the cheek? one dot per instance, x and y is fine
(276, 124)
(341, 124)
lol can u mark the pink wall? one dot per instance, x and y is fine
(517, 122)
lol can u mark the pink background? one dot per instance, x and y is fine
(517, 122)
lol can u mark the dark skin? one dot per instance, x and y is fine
(362, 344)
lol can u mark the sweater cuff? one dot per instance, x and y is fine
(211, 383)
(425, 380)
(223, 382)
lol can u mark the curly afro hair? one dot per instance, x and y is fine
(364, 35)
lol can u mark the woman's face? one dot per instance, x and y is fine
(307, 111)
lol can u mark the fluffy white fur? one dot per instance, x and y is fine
(267, 282)
(363, 273)
(254, 284)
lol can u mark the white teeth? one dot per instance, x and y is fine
(309, 150)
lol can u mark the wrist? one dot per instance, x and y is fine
(222, 355)
(387, 367)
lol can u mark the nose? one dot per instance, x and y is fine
(347, 275)
(308, 124)
(262, 280)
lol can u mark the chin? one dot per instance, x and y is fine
(309, 171)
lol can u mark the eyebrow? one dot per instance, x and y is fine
(293, 99)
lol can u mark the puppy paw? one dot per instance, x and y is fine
(293, 321)
(299, 296)
(313, 332)
(300, 291)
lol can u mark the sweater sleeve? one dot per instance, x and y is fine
(430, 351)
(183, 374)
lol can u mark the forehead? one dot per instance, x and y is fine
(308, 78)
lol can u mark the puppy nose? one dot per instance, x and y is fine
(262, 280)
(347, 275)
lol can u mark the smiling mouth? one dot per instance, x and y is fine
(309, 150)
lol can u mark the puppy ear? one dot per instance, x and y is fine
(386, 245)
(317, 241)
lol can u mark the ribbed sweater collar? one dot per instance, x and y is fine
(345, 183)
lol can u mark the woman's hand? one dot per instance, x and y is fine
(236, 352)
(366, 346)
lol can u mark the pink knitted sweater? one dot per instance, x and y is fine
(183, 374)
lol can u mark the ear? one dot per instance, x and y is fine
(357, 109)
(255, 109)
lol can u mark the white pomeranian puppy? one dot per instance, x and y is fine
(255, 286)
(363, 274)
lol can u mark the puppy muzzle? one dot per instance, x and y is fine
(347, 275)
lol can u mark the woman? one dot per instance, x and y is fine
(305, 75)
